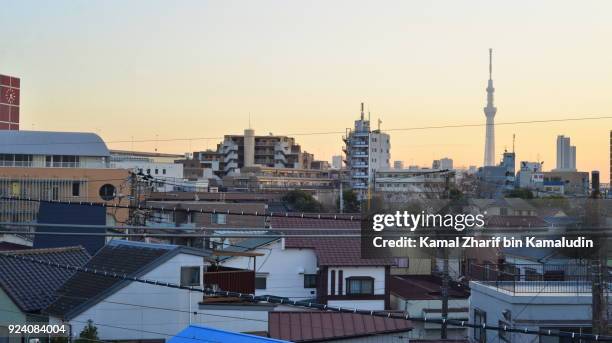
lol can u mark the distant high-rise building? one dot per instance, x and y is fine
(566, 154)
(443, 164)
(398, 164)
(367, 151)
(490, 111)
(9, 102)
(337, 162)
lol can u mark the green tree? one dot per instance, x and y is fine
(351, 203)
(522, 193)
(302, 201)
(89, 333)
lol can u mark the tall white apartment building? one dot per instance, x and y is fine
(367, 151)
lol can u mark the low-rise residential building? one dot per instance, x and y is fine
(415, 184)
(315, 326)
(530, 300)
(420, 297)
(570, 183)
(281, 179)
(27, 288)
(161, 167)
(330, 270)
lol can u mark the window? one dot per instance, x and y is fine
(164, 171)
(149, 171)
(190, 276)
(359, 285)
(504, 335)
(260, 282)
(402, 262)
(156, 171)
(531, 274)
(76, 189)
(310, 280)
(480, 334)
(55, 193)
(218, 218)
(107, 192)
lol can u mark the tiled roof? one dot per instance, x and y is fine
(330, 251)
(32, 286)
(324, 326)
(335, 251)
(123, 257)
(423, 287)
(310, 223)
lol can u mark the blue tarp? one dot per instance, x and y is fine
(200, 334)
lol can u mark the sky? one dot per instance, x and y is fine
(159, 70)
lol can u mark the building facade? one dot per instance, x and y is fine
(366, 151)
(9, 102)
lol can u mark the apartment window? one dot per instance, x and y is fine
(310, 280)
(480, 334)
(261, 282)
(148, 171)
(218, 218)
(359, 285)
(164, 171)
(76, 189)
(190, 276)
(156, 171)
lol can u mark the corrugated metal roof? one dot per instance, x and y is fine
(325, 326)
(52, 143)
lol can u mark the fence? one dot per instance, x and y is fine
(535, 278)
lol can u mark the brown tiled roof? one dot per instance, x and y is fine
(330, 251)
(423, 287)
(324, 326)
(335, 251)
(310, 223)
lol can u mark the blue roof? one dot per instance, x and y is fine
(52, 143)
(199, 334)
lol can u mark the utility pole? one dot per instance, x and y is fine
(599, 271)
(444, 293)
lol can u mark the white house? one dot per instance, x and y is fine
(328, 270)
(535, 304)
(128, 310)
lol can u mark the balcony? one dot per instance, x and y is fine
(230, 279)
(535, 278)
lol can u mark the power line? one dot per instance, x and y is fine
(309, 304)
(171, 235)
(189, 210)
(429, 127)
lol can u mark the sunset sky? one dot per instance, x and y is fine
(193, 69)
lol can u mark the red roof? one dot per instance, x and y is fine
(323, 326)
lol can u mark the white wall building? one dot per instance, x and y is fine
(367, 151)
(566, 154)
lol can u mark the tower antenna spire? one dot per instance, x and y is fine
(490, 64)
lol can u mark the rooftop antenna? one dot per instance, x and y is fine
(379, 122)
(362, 111)
(513, 139)
(249, 120)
